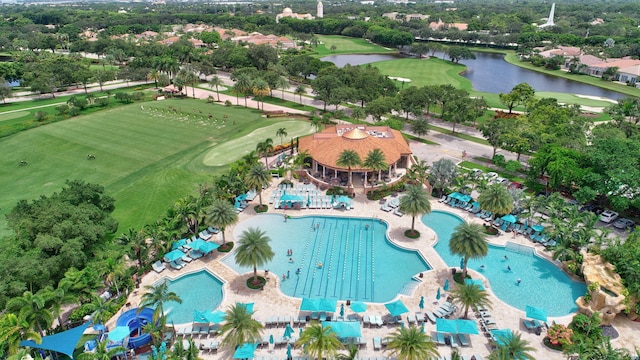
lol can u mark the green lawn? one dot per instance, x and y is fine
(146, 158)
(347, 45)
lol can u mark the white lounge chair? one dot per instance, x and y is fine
(158, 266)
(377, 344)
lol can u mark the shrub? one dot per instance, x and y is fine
(102, 102)
(40, 116)
(513, 166)
(138, 95)
(63, 109)
(124, 98)
(337, 191)
(559, 334)
(227, 103)
(499, 160)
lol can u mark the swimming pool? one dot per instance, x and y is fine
(543, 284)
(199, 290)
(358, 262)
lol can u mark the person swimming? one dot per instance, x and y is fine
(288, 274)
(291, 260)
(519, 281)
(508, 267)
(482, 266)
(505, 257)
(298, 271)
(319, 265)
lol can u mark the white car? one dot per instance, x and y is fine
(490, 176)
(608, 216)
(476, 172)
(501, 180)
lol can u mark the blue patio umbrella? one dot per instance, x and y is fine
(215, 317)
(446, 285)
(344, 199)
(538, 228)
(476, 282)
(248, 306)
(288, 331)
(461, 263)
(422, 328)
(536, 313)
(300, 332)
(328, 305)
(344, 329)
(178, 244)
(245, 351)
(289, 351)
(119, 333)
(310, 304)
(438, 296)
(501, 336)
(358, 306)
(174, 255)
(308, 200)
(421, 304)
(446, 326)
(510, 218)
(341, 309)
(271, 340)
(396, 308)
(467, 327)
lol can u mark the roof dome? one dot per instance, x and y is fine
(355, 134)
(287, 11)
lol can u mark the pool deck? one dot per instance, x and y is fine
(272, 302)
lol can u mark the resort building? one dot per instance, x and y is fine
(287, 12)
(324, 149)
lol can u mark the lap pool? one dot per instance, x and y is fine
(199, 290)
(543, 284)
(358, 262)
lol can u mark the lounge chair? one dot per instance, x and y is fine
(158, 266)
(464, 340)
(419, 317)
(453, 341)
(204, 235)
(385, 207)
(377, 343)
(397, 212)
(378, 321)
(411, 319)
(195, 254)
(175, 265)
(204, 330)
(440, 338)
(430, 316)
(366, 320)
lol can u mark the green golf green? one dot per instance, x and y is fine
(146, 156)
(347, 45)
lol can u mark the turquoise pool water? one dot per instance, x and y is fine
(543, 284)
(198, 291)
(358, 262)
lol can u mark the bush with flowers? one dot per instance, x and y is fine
(559, 335)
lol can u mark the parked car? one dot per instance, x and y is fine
(501, 180)
(490, 176)
(623, 223)
(608, 216)
(476, 172)
(516, 185)
(592, 208)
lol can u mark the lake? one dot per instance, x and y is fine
(489, 72)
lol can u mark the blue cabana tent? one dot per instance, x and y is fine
(538, 228)
(178, 244)
(536, 313)
(344, 329)
(467, 327)
(174, 255)
(510, 218)
(458, 326)
(310, 304)
(248, 306)
(245, 351)
(204, 247)
(63, 343)
(291, 198)
(358, 306)
(344, 199)
(475, 281)
(328, 305)
(446, 326)
(396, 308)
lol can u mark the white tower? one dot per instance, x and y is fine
(550, 19)
(320, 10)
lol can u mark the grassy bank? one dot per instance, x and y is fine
(347, 45)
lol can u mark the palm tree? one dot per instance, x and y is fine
(216, 82)
(470, 295)
(375, 161)
(282, 132)
(513, 347)
(282, 83)
(240, 327)
(300, 90)
(113, 268)
(349, 159)
(222, 214)
(351, 355)
(496, 198)
(419, 173)
(319, 341)
(100, 308)
(15, 328)
(34, 310)
(243, 86)
(257, 178)
(469, 241)
(102, 353)
(260, 89)
(156, 297)
(263, 148)
(254, 250)
(416, 202)
(316, 123)
(135, 241)
(411, 344)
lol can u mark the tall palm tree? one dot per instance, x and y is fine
(33, 306)
(260, 89)
(13, 329)
(415, 201)
(300, 90)
(496, 198)
(411, 344)
(136, 245)
(240, 327)
(100, 308)
(351, 355)
(282, 132)
(222, 214)
(257, 178)
(263, 148)
(319, 341)
(243, 86)
(375, 161)
(254, 250)
(113, 268)
(469, 241)
(216, 82)
(56, 299)
(419, 173)
(349, 159)
(470, 295)
(156, 297)
(101, 352)
(282, 83)
(513, 348)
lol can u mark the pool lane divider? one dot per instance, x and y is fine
(304, 254)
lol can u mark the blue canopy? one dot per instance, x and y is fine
(310, 304)
(396, 308)
(501, 336)
(538, 228)
(510, 218)
(467, 327)
(358, 306)
(248, 306)
(204, 246)
(344, 199)
(477, 282)
(241, 197)
(328, 305)
(63, 343)
(174, 255)
(465, 198)
(178, 244)
(458, 326)
(215, 317)
(344, 329)
(446, 326)
(536, 313)
(119, 333)
(245, 351)
(291, 198)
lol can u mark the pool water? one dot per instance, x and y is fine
(358, 262)
(199, 291)
(543, 284)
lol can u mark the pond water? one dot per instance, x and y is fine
(490, 73)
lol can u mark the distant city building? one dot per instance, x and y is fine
(405, 17)
(320, 10)
(287, 12)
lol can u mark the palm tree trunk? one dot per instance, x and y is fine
(255, 274)
(413, 223)
(223, 239)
